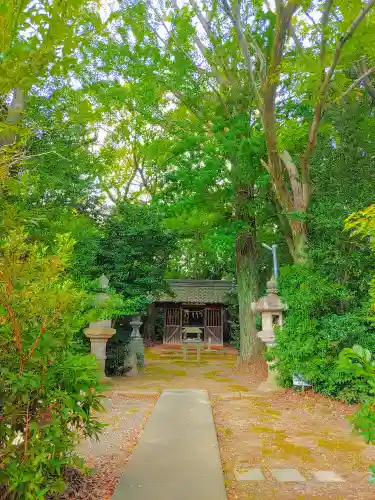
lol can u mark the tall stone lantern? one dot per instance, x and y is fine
(100, 331)
(136, 348)
(271, 310)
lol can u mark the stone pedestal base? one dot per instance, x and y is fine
(137, 348)
(98, 336)
(132, 361)
(271, 384)
(136, 357)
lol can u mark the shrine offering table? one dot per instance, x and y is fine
(196, 343)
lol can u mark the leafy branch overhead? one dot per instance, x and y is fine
(267, 69)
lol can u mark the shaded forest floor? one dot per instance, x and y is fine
(301, 431)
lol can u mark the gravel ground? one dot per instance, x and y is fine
(292, 430)
(303, 431)
(125, 416)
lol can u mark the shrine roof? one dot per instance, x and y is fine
(198, 291)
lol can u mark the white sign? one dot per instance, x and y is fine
(300, 381)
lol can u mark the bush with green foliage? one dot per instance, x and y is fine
(358, 359)
(361, 363)
(328, 297)
(48, 385)
(362, 224)
(322, 319)
(118, 347)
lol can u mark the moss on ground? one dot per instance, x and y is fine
(275, 442)
(160, 373)
(212, 374)
(344, 446)
(238, 388)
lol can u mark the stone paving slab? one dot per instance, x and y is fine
(252, 474)
(177, 456)
(327, 476)
(287, 475)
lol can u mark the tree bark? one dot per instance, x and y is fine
(246, 289)
(246, 273)
(299, 241)
(364, 70)
(14, 116)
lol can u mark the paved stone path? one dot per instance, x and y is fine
(177, 456)
(287, 475)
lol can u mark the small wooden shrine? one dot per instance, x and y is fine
(195, 309)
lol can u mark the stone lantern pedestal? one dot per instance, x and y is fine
(136, 348)
(271, 309)
(99, 333)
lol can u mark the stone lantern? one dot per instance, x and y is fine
(100, 331)
(136, 348)
(271, 310)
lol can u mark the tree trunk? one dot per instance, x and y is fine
(291, 199)
(246, 289)
(299, 242)
(14, 116)
(9, 135)
(246, 271)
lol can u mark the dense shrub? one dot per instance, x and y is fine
(48, 387)
(118, 346)
(322, 319)
(361, 363)
(360, 360)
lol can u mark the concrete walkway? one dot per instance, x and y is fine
(177, 456)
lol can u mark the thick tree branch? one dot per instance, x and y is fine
(14, 116)
(290, 166)
(206, 24)
(298, 188)
(110, 195)
(145, 182)
(357, 81)
(16, 107)
(295, 38)
(366, 80)
(19, 157)
(310, 18)
(37, 340)
(201, 47)
(204, 51)
(201, 17)
(268, 5)
(284, 15)
(8, 285)
(236, 21)
(324, 24)
(285, 226)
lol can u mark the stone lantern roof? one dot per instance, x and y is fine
(271, 309)
(271, 302)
